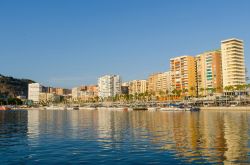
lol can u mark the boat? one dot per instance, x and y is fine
(4, 108)
(88, 108)
(140, 108)
(194, 109)
(152, 109)
(102, 108)
(116, 108)
(129, 109)
(55, 108)
(174, 107)
(73, 108)
(180, 107)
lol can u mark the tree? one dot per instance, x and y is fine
(192, 89)
(162, 94)
(167, 94)
(185, 91)
(179, 93)
(15, 101)
(174, 92)
(218, 89)
(202, 90)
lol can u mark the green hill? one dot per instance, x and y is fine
(12, 87)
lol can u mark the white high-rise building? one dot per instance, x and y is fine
(75, 93)
(34, 90)
(109, 86)
(233, 62)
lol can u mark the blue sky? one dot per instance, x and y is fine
(69, 43)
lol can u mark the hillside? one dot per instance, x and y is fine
(11, 87)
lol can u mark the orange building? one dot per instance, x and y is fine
(183, 74)
(209, 72)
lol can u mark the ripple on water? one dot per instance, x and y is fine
(110, 137)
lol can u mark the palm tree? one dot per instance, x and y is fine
(162, 94)
(179, 93)
(212, 91)
(185, 92)
(130, 97)
(202, 90)
(218, 89)
(192, 89)
(174, 92)
(167, 93)
(247, 87)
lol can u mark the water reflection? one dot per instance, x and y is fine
(105, 136)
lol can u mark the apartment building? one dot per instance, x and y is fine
(183, 74)
(233, 62)
(209, 72)
(109, 86)
(159, 82)
(137, 86)
(49, 97)
(34, 90)
(85, 93)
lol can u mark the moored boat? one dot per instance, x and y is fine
(4, 108)
(88, 108)
(152, 109)
(73, 108)
(140, 108)
(116, 108)
(55, 108)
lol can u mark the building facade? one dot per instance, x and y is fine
(84, 93)
(159, 82)
(34, 90)
(209, 72)
(233, 62)
(137, 86)
(109, 86)
(125, 88)
(48, 97)
(183, 74)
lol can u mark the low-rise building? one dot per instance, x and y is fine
(49, 97)
(85, 93)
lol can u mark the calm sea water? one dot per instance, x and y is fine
(111, 137)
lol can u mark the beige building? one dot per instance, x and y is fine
(209, 72)
(233, 62)
(183, 74)
(84, 93)
(159, 82)
(48, 97)
(59, 91)
(137, 86)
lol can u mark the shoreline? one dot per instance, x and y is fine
(240, 108)
(245, 108)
